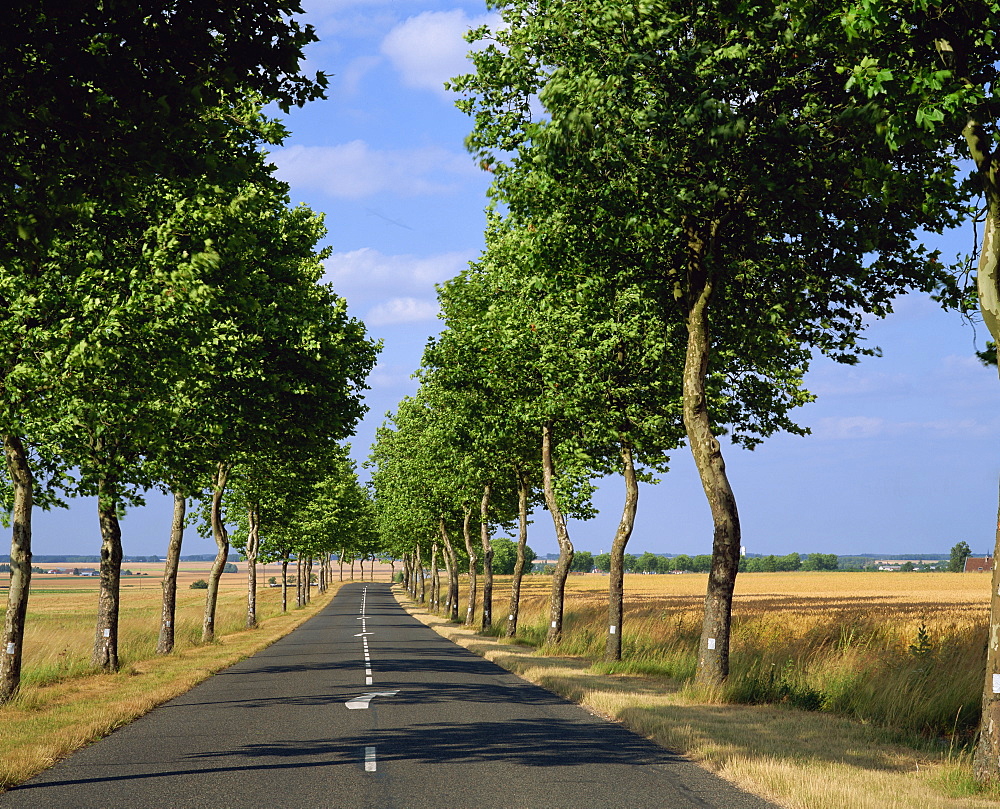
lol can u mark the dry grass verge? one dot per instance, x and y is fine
(50, 718)
(797, 759)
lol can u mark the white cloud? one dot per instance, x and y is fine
(354, 170)
(865, 427)
(430, 49)
(365, 276)
(402, 310)
(390, 376)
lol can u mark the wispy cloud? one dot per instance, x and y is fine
(865, 427)
(429, 49)
(354, 170)
(367, 276)
(398, 311)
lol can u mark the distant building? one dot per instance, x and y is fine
(978, 564)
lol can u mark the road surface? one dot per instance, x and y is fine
(365, 707)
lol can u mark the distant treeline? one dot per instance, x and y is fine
(40, 559)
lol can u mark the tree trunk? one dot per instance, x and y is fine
(522, 540)
(556, 599)
(435, 579)
(451, 562)
(105, 655)
(308, 583)
(713, 651)
(986, 762)
(253, 546)
(470, 610)
(371, 569)
(420, 576)
(341, 560)
(407, 572)
(616, 586)
(284, 582)
(168, 613)
(221, 537)
(484, 536)
(20, 476)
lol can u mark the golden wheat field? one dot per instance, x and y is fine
(901, 650)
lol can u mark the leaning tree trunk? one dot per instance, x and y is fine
(484, 538)
(341, 561)
(713, 650)
(451, 562)
(21, 478)
(221, 537)
(557, 597)
(253, 547)
(470, 610)
(168, 612)
(105, 655)
(616, 586)
(986, 762)
(522, 542)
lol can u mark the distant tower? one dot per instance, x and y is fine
(743, 550)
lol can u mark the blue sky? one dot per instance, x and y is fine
(904, 456)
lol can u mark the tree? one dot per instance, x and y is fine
(142, 97)
(773, 217)
(930, 72)
(505, 556)
(959, 553)
(583, 562)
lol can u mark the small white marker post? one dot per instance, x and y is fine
(996, 683)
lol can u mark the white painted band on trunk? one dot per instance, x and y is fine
(11, 648)
(369, 759)
(613, 629)
(107, 633)
(996, 683)
(510, 617)
(711, 643)
(168, 623)
(555, 624)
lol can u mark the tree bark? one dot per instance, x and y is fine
(713, 651)
(105, 655)
(514, 606)
(253, 547)
(284, 582)
(341, 560)
(168, 612)
(986, 761)
(616, 585)
(422, 597)
(451, 562)
(557, 597)
(435, 579)
(470, 610)
(19, 472)
(221, 537)
(484, 537)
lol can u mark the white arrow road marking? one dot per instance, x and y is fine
(361, 703)
(362, 634)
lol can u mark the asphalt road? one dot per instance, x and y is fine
(365, 707)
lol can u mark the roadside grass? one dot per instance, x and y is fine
(846, 691)
(63, 705)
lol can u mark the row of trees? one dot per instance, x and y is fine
(694, 199)
(164, 321)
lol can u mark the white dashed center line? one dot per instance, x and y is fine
(369, 759)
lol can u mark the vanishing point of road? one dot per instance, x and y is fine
(364, 707)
